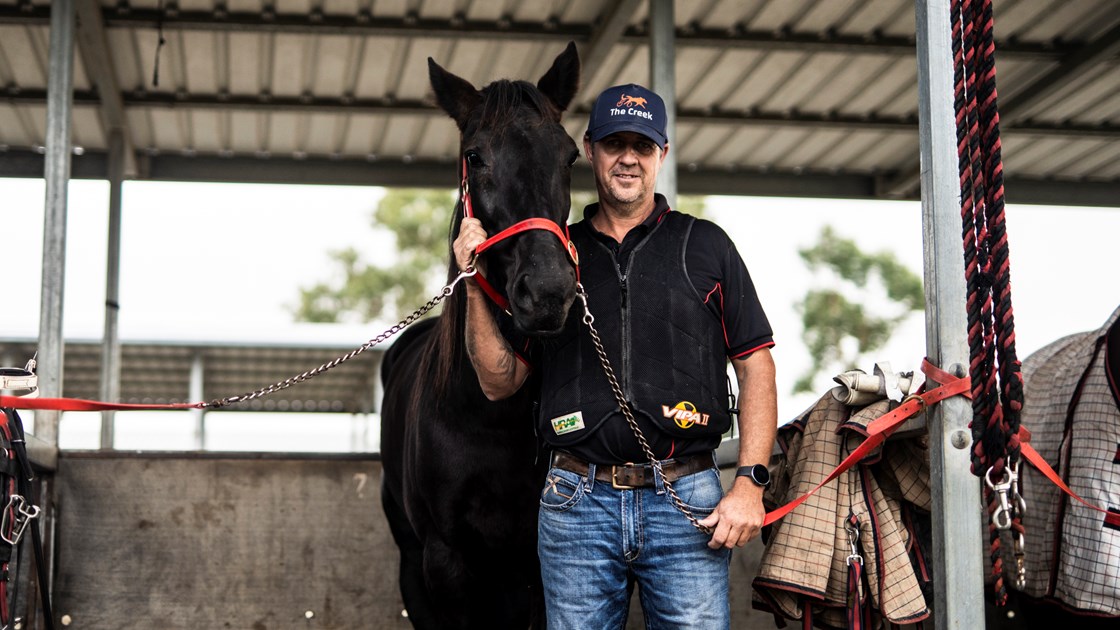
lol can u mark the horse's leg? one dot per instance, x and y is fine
(447, 579)
(487, 593)
(538, 618)
(414, 592)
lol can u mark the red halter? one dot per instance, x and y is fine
(535, 223)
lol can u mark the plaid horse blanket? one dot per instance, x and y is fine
(884, 501)
(1072, 409)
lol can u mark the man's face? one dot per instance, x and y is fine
(626, 166)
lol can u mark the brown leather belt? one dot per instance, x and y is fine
(635, 475)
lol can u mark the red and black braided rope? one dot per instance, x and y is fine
(997, 387)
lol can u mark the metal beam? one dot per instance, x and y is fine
(406, 107)
(611, 25)
(1073, 66)
(319, 23)
(699, 180)
(957, 551)
(663, 75)
(56, 172)
(98, 62)
(110, 372)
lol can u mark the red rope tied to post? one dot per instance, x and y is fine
(997, 383)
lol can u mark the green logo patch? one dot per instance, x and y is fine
(568, 423)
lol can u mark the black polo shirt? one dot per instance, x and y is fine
(716, 269)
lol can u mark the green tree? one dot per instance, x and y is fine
(418, 218)
(838, 331)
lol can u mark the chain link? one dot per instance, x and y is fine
(310, 374)
(589, 321)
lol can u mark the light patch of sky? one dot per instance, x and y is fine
(224, 262)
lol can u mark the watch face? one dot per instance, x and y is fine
(761, 475)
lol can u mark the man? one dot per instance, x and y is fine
(672, 301)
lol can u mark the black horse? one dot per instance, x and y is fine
(462, 474)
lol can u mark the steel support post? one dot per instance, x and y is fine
(110, 342)
(56, 172)
(663, 80)
(197, 393)
(957, 549)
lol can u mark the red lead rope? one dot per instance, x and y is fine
(997, 383)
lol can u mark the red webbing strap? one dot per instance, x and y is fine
(855, 596)
(880, 429)
(535, 223)
(78, 404)
(1039, 463)
(855, 600)
(464, 190)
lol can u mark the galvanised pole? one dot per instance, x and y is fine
(663, 80)
(56, 172)
(957, 549)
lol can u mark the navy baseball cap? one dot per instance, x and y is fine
(629, 107)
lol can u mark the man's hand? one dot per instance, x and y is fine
(738, 517)
(471, 235)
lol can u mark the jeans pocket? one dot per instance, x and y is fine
(700, 492)
(562, 490)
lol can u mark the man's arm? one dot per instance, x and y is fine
(738, 517)
(499, 371)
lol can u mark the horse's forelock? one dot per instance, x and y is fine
(502, 98)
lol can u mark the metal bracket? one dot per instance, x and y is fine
(22, 512)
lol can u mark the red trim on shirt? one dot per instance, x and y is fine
(768, 344)
(718, 289)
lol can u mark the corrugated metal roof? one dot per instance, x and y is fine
(808, 97)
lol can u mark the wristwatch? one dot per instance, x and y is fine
(758, 473)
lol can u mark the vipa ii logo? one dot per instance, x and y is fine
(685, 414)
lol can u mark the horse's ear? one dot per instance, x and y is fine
(561, 82)
(454, 95)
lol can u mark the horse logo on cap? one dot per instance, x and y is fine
(628, 100)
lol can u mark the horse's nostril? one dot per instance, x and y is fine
(537, 291)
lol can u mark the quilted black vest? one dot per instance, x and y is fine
(666, 347)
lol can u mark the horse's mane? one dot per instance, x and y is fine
(503, 96)
(448, 344)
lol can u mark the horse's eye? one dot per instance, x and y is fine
(573, 158)
(474, 159)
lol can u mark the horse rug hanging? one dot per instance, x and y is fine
(849, 556)
(1072, 408)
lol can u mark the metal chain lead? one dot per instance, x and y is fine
(310, 374)
(589, 320)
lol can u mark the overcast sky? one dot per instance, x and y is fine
(224, 262)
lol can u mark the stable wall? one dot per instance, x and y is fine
(243, 541)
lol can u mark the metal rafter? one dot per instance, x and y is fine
(1071, 67)
(693, 179)
(409, 107)
(98, 62)
(363, 24)
(612, 23)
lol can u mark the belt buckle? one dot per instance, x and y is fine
(614, 478)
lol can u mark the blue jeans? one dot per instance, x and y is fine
(593, 538)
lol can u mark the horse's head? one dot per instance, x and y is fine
(518, 162)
